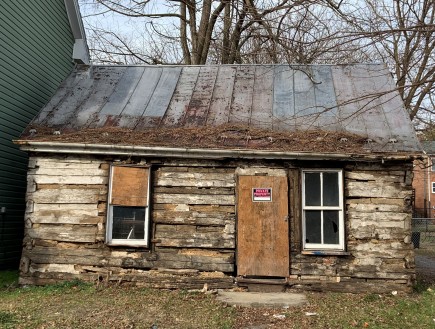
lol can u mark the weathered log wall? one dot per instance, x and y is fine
(380, 255)
(193, 238)
(193, 212)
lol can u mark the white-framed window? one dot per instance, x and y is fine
(433, 187)
(322, 207)
(128, 206)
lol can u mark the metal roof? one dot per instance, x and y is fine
(358, 99)
(428, 147)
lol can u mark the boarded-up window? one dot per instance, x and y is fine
(130, 186)
(128, 215)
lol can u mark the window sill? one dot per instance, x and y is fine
(127, 244)
(325, 253)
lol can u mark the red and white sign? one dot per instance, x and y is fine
(262, 194)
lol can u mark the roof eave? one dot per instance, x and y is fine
(80, 53)
(198, 153)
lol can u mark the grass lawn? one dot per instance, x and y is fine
(82, 305)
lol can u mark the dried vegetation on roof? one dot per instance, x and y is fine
(211, 137)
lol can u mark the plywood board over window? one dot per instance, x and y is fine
(129, 186)
(128, 215)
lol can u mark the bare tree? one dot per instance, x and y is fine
(398, 32)
(224, 31)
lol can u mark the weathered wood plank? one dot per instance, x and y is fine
(194, 190)
(60, 163)
(67, 209)
(376, 201)
(192, 218)
(194, 179)
(380, 176)
(260, 171)
(216, 242)
(101, 189)
(64, 217)
(373, 225)
(193, 230)
(374, 232)
(355, 206)
(196, 168)
(194, 199)
(376, 190)
(68, 179)
(143, 279)
(180, 259)
(68, 172)
(53, 267)
(390, 167)
(376, 248)
(191, 236)
(78, 159)
(352, 286)
(73, 233)
(381, 217)
(65, 196)
(214, 208)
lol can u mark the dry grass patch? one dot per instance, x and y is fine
(83, 305)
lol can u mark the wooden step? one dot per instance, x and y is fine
(262, 284)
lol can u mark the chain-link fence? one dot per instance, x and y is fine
(423, 238)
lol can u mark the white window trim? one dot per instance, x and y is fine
(317, 246)
(433, 187)
(109, 220)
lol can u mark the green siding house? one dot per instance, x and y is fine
(40, 43)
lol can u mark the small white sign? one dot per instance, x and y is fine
(263, 194)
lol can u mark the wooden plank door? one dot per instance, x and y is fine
(262, 227)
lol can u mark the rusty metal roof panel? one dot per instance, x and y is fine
(359, 99)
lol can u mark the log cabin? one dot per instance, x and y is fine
(288, 176)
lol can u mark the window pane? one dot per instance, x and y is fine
(312, 189)
(128, 222)
(331, 195)
(331, 227)
(313, 226)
